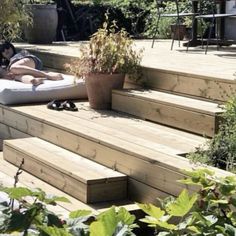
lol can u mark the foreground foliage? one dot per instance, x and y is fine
(27, 214)
(210, 211)
(220, 151)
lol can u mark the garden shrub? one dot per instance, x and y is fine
(210, 211)
(12, 16)
(220, 151)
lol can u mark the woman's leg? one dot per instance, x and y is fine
(29, 79)
(26, 66)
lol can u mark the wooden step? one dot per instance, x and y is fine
(162, 69)
(8, 171)
(146, 152)
(197, 116)
(189, 83)
(84, 179)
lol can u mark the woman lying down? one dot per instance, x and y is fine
(23, 66)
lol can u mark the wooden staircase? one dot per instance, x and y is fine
(137, 149)
(83, 179)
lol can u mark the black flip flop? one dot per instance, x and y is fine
(55, 105)
(69, 106)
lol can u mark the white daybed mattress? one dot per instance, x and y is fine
(13, 92)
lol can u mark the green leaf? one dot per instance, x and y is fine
(107, 221)
(153, 222)
(182, 205)
(232, 216)
(98, 229)
(52, 199)
(233, 201)
(18, 193)
(54, 231)
(152, 210)
(164, 234)
(79, 213)
(220, 201)
(228, 186)
(125, 217)
(54, 220)
(230, 230)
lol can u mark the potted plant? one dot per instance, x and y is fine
(104, 62)
(44, 15)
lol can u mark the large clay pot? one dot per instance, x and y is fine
(99, 89)
(44, 27)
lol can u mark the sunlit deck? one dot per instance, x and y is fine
(150, 154)
(217, 64)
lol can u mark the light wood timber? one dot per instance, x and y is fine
(7, 132)
(128, 128)
(33, 182)
(201, 117)
(194, 85)
(208, 76)
(156, 169)
(83, 179)
(147, 166)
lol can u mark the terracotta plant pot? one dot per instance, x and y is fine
(178, 31)
(99, 89)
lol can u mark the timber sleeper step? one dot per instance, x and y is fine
(83, 179)
(197, 116)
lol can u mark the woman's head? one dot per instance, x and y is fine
(7, 50)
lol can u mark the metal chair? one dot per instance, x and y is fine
(214, 18)
(177, 14)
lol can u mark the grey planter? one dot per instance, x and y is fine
(44, 27)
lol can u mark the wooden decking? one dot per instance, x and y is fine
(187, 87)
(7, 172)
(216, 64)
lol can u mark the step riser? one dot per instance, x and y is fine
(7, 132)
(87, 193)
(167, 114)
(158, 175)
(52, 60)
(189, 84)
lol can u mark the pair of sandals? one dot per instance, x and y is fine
(58, 105)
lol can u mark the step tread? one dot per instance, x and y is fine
(67, 162)
(111, 128)
(7, 173)
(193, 104)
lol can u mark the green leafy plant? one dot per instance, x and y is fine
(108, 52)
(24, 216)
(25, 212)
(12, 16)
(210, 211)
(30, 216)
(220, 151)
(113, 222)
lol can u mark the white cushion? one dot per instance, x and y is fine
(13, 92)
